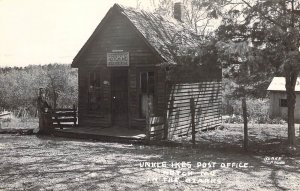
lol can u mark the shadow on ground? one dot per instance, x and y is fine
(49, 163)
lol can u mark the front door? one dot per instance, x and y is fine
(119, 97)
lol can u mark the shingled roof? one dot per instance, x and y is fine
(167, 36)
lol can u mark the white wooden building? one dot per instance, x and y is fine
(278, 99)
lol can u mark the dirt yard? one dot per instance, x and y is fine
(48, 163)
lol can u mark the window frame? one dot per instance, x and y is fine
(94, 91)
(282, 102)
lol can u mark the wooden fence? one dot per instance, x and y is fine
(64, 118)
(191, 108)
(58, 118)
(6, 114)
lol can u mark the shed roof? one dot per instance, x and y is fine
(278, 84)
(167, 36)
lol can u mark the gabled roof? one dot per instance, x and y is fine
(165, 35)
(278, 84)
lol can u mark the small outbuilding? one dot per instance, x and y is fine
(134, 64)
(278, 99)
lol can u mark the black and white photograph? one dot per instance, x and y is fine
(150, 95)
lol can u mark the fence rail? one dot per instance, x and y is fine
(63, 117)
(5, 114)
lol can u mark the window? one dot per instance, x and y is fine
(94, 93)
(94, 79)
(283, 102)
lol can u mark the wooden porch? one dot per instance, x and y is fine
(117, 132)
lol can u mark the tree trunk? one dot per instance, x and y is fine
(291, 79)
(244, 106)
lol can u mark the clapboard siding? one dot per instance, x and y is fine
(207, 99)
(118, 34)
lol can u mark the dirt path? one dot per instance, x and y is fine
(32, 163)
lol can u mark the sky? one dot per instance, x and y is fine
(49, 31)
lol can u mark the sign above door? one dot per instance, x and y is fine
(117, 59)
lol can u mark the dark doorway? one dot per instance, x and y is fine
(119, 97)
(146, 92)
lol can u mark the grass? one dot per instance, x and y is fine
(263, 138)
(50, 163)
(13, 122)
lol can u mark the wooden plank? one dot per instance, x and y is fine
(4, 114)
(186, 108)
(60, 120)
(195, 90)
(157, 124)
(195, 95)
(194, 85)
(214, 115)
(184, 99)
(63, 109)
(198, 104)
(154, 120)
(180, 120)
(160, 135)
(157, 130)
(197, 83)
(63, 125)
(197, 99)
(68, 114)
(210, 117)
(187, 119)
(181, 127)
(175, 128)
(185, 113)
(179, 115)
(186, 131)
(201, 106)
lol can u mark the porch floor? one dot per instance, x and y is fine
(121, 132)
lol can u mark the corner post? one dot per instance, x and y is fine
(192, 107)
(148, 119)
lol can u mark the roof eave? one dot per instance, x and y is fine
(75, 62)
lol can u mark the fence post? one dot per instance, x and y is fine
(170, 108)
(148, 118)
(192, 107)
(166, 122)
(45, 121)
(244, 106)
(74, 115)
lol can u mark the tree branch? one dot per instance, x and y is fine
(266, 17)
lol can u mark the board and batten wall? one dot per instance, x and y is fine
(277, 111)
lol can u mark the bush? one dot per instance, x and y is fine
(19, 87)
(257, 109)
